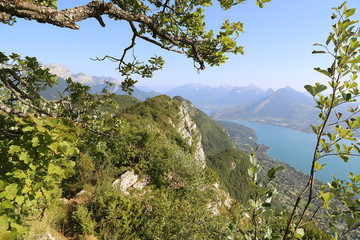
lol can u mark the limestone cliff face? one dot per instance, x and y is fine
(190, 133)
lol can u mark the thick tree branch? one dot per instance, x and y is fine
(95, 9)
(9, 110)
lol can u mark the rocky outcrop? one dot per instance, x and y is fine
(125, 181)
(190, 133)
(42, 236)
(129, 180)
(221, 200)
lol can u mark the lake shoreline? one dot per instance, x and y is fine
(296, 148)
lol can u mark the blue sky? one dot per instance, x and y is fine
(278, 42)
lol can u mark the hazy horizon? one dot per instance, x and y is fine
(278, 42)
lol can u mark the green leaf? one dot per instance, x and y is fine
(319, 166)
(35, 142)
(310, 89)
(53, 169)
(11, 191)
(54, 147)
(13, 149)
(337, 147)
(64, 147)
(24, 156)
(19, 174)
(19, 199)
(357, 178)
(346, 96)
(344, 157)
(18, 227)
(350, 12)
(28, 129)
(326, 73)
(299, 233)
(4, 223)
(271, 173)
(331, 36)
(315, 129)
(6, 204)
(319, 88)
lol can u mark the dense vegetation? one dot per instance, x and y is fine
(64, 161)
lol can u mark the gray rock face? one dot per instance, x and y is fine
(125, 181)
(221, 200)
(141, 184)
(213, 208)
(129, 180)
(228, 201)
(47, 236)
(189, 131)
(42, 236)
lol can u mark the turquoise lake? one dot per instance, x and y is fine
(297, 148)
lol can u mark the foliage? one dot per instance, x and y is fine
(231, 166)
(176, 26)
(343, 89)
(83, 220)
(123, 102)
(33, 165)
(118, 217)
(340, 198)
(42, 139)
(174, 215)
(261, 200)
(243, 137)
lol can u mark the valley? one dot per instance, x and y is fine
(176, 154)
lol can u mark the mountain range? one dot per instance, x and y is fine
(284, 107)
(95, 82)
(221, 97)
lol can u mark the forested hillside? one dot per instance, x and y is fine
(78, 162)
(137, 172)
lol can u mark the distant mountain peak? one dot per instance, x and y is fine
(252, 86)
(59, 70)
(65, 72)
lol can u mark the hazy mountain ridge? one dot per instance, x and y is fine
(285, 107)
(65, 72)
(96, 83)
(224, 96)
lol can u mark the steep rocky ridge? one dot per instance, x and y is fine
(214, 137)
(189, 131)
(230, 164)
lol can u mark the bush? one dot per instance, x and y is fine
(83, 221)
